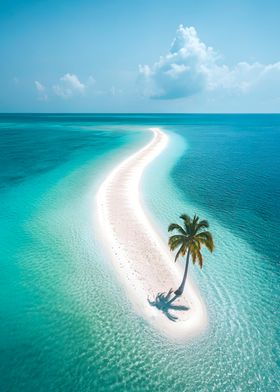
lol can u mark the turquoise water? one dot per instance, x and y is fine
(66, 324)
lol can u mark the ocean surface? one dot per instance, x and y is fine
(66, 323)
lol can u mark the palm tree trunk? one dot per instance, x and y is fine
(180, 289)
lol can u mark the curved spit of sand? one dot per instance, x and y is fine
(141, 258)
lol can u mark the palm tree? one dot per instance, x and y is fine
(190, 237)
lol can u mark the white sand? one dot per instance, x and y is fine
(141, 258)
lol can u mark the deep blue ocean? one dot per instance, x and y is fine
(66, 323)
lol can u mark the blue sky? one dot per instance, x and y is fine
(139, 56)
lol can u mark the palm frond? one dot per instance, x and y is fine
(193, 254)
(195, 250)
(202, 225)
(200, 259)
(193, 224)
(177, 237)
(181, 251)
(175, 226)
(195, 219)
(187, 222)
(186, 218)
(206, 239)
(174, 244)
(175, 240)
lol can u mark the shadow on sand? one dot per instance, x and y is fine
(164, 302)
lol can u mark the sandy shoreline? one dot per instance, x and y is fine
(141, 258)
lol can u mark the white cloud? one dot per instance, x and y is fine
(39, 86)
(114, 91)
(183, 71)
(42, 95)
(243, 76)
(191, 67)
(68, 86)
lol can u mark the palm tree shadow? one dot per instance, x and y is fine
(164, 302)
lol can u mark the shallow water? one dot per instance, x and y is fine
(66, 324)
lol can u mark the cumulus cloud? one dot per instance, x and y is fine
(68, 86)
(183, 70)
(243, 77)
(42, 95)
(191, 67)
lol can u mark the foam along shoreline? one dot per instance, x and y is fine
(141, 258)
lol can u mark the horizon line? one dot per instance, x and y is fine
(139, 113)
